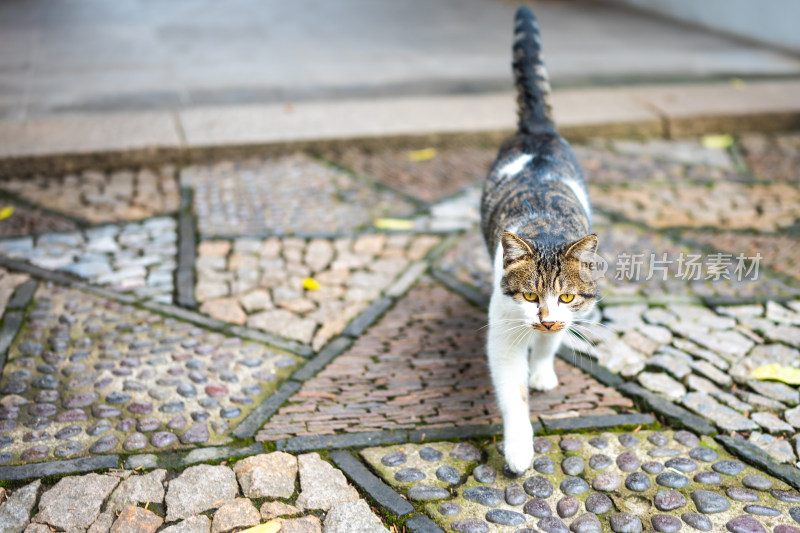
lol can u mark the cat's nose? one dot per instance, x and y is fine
(548, 325)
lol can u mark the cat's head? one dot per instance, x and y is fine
(549, 283)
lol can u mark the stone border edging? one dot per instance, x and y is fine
(372, 484)
(187, 252)
(672, 413)
(760, 459)
(58, 468)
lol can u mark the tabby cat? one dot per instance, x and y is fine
(536, 220)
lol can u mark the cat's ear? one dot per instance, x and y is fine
(587, 245)
(514, 249)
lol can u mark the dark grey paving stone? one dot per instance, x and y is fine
(628, 462)
(542, 445)
(544, 465)
(600, 462)
(573, 465)
(552, 524)
(672, 480)
(728, 467)
(741, 495)
(426, 493)
(409, 474)
(538, 486)
(665, 523)
(698, 521)
(370, 483)
(567, 506)
(470, 525)
(484, 474)
(701, 453)
(708, 502)
(668, 500)
(637, 482)
(708, 478)
(504, 517)
(426, 453)
(586, 523)
(761, 510)
(653, 467)
(682, 464)
(625, 523)
(57, 468)
(755, 481)
(574, 486)
(789, 496)
(538, 508)
(448, 474)
(515, 494)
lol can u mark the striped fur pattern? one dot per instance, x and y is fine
(536, 221)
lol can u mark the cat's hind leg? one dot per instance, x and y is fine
(508, 364)
(543, 349)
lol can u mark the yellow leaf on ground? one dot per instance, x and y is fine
(310, 284)
(422, 155)
(6, 212)
(268, 527)
(738, 83)
(716, 141)
(393, 223)
(777, 372)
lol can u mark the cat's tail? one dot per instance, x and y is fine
(530, 75)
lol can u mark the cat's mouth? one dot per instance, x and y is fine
(549, 327)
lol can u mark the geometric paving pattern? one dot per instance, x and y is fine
(592, 482)
(89, 375)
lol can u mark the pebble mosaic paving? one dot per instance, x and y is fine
(773, 157)
(261, 282)
(422, 366)
(137, 257)
(293, 195)
(102, 197)
(26, 220)
(89, 375)
(589, 483)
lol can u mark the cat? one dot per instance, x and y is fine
(536, 221)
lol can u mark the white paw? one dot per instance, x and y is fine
(518, 450)
(543, 380)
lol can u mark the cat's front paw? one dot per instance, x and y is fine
(518, 452)
(543, 380)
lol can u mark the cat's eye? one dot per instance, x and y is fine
(530, 296)
(566, 298)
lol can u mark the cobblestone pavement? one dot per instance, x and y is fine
(324, 370)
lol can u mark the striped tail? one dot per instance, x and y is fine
(530, 75)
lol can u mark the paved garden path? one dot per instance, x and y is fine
(297, 342)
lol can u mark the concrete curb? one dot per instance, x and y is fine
(74, 141)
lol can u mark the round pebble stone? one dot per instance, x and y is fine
(606, 482)
(573, 486)
(230, 412)
(686, 438)
(681, 464)
(148, 424)
(196, 433)
(625, 523)
(537, 507)
(42, 409)
(105, 411)
(449, 509)
(510, 474)
(33, 436)
(531, 530)
(515, 494)
(464, 451)
(754, 481)
(701, 453)
(427, 493)
(187, 390)
(37, 422)
(544, 465)
(394, 459)
(409, 474)
(488, 496)
(728, 467)
(134, 441)
(586, 523)
(628, 440)
(171, 407)
(741, 495)
(35, 453)
(426, 453)
(6, 441)
(663, 452)
(552, 524)
(126, 424)
(672, 480)
(657, 438)
(698, 521)
(627, 462)
(794, 512)
(761, 510)
(653, 467)
(101, 426)
(158, 393)
(542, 445)
(666, 523)
(745, 524)
(785, 529)
(600, 462)
(572, 466)
(177, 422)
(448, 474)
(637, 482)
(72, 415)
(68, 449)
(104, 444)
(504, 517)
(117, 397)
(598, 442)
(669, 500)
(708, 502)
(707, 478)
(470, 525)
(567, 506)
(200, 416)
(538, 486)
(598, 503)
(484, 474)
(570, 445)
(789, 496)
(68, 431)
(160, 439)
